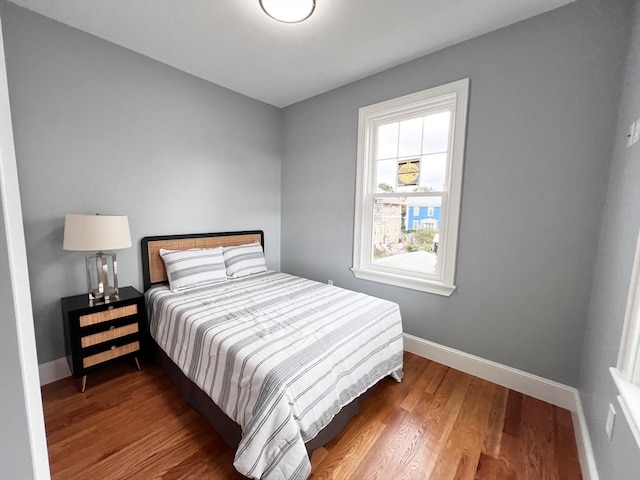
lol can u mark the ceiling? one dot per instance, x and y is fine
(234, 44)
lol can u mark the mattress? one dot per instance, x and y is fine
(278, 354)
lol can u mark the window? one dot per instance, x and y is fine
(627, 373)
(410, 154)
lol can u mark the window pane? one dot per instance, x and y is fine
(433, 170)
(405, 233)
(410, 137)
(387, 141)
(436, 133)
(388, 214)
(386, 175)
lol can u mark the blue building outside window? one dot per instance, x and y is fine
(422, 216)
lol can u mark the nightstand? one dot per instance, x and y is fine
(101, 333)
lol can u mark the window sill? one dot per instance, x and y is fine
(406, 282)
(629, 399)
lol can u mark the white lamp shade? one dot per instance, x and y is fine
(96, 233)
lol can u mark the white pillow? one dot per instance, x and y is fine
(186, 268)
(244, 260)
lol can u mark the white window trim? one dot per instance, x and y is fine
(451, 199)
(626, 375)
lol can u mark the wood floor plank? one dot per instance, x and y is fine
(537, 432)
(495, 423)
(438, 416)
(410, 460)
(419, 381)
(435, 372)
(214, 461)
(379, 462)
(511, 456)
(133, 425)
(565, 445)
(163, 442)
(87, 441)
(490, 468)
(384, 402)
(318, 457)
(512, 414)
(347, 452)
(461, 453)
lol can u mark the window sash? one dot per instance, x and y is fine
(369, 232)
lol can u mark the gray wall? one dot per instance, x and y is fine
(543, 102)
(619, 458)
(99, 128)
(15, 447)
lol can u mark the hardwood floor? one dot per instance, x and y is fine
(438, 423)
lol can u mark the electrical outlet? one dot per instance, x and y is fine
(611, 420)
(330, 282)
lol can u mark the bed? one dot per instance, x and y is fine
(277, 364)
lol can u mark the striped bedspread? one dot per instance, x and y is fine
(280, 355)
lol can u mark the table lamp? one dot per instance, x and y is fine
(98, 233)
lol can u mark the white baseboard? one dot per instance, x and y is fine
(53, 371)
(523, 382)
(532, 385)
(583, 442)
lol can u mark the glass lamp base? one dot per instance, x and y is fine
(102, 291)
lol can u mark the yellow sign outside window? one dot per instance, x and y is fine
(408, 172)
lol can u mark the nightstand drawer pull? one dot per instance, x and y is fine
(110, 334)
(115, 352)
(106, 315)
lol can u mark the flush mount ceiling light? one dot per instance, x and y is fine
(288, 11)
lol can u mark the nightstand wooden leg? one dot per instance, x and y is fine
(84, 383)
(137, 363)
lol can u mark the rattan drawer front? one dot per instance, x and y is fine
(106, 315)
(114, 352)
(107, 335)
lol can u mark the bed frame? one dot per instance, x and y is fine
(153, 272)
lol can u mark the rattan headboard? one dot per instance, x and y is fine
(153, 270)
